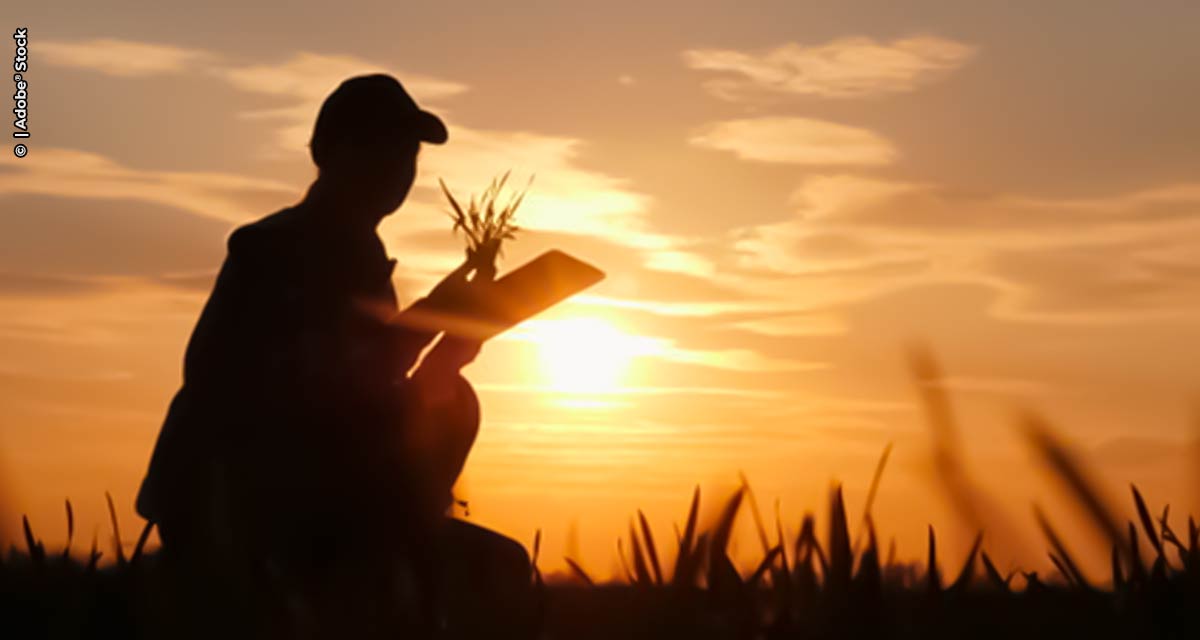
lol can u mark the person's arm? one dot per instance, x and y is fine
(450, 301)
(456, 294)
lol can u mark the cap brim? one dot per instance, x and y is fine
(430, 128)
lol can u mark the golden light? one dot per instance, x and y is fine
(586, 355)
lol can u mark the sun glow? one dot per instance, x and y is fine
(587, 355)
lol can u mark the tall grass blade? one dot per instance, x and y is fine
(1067, 574)
(767, 563)
(758, 521)
(70, 530)
(841, 562)
(968, 571)
(1169, 537)
(724, 527)
(1147, 521)
(112, 512)
(639, 563)
(141, 543)
(933, 576)
(970, 502)
(537, 546)
(1118, 577)
(533, 561)
(37, 553)
(579, 573)
(875, 479)
(1137, 570)
(723, 578)
(685, 561)
(1071, 568)
(869, 573)
(651, 550)
(624, 564)
(803, 546)
(992, 573)
(1193, 562)
(1064, 464)
(781, 542)
(95, 553)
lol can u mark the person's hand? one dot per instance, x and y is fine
(484, 259)
(456, 292)
(450, 293)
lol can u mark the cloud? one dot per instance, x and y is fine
(306, 79)
(1121, 257)
(796, 141)
(740, 360)
(18, 284)
(88, 238)
(124, 58)
(1012, 387)
(566, 197)
(311, 75)
(669, 350)
(1098, 283)
(844, 68)
(81, 174)
(788, 325)
(676, 309)
(562, 196)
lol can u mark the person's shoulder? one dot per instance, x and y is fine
(267, 234)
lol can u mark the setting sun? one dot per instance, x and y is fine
(586, 355)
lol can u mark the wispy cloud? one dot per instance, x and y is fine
(312, 75)
(670, 350)
(740, 360)
(844, 68)
(124, 58)
(1097, 259)
(567, 198)
(796, 141)
(306, 78)
(786, 325)
(81, 174)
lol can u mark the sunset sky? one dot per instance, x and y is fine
(786, 196)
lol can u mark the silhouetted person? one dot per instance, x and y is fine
(298, 441)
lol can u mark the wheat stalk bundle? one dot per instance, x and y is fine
(485, 223)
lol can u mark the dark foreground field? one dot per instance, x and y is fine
(815, 586)
(831, 580)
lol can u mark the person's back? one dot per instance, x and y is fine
(285, 398)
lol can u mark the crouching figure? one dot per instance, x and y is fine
(301, 480)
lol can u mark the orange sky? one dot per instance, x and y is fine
(783, 199)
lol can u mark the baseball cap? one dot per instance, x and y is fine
(367, 106)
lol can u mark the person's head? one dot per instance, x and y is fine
(366, 140)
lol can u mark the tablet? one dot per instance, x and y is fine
(525, 292)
